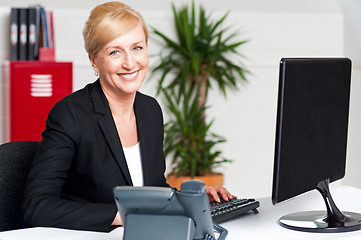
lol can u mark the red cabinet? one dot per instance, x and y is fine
(31, 88)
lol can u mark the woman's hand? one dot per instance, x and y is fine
(117, 220)
(216, 193)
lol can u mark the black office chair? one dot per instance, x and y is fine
(15, 162)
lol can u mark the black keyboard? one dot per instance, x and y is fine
(224, 210)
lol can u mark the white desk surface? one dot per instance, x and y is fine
(263, 225)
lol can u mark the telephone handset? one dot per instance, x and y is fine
(165, 213)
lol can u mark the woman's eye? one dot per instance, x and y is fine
(137, 48)
(115, 52)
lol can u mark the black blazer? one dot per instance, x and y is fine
(81, 160)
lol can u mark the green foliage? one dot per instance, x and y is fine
(201, 50)
(201, 57)
(188, 139)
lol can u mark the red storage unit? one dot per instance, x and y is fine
(31, 90)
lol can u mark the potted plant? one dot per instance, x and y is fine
(198, 60)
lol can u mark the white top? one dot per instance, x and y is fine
(134, 162)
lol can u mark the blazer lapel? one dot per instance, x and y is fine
(144, 137)
(107, 125)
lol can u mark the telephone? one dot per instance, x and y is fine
(166, 213)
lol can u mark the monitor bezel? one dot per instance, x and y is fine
(286, 63)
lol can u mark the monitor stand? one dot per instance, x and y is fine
(321, 221)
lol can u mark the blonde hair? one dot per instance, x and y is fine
(106, 22)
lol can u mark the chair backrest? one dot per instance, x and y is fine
(15, 162)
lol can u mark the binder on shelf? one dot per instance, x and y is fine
(31, 29)
(50, 32)
(44, 29)
(47, 50)
(14, 34)
(33, 33)
(23, 32)
(37, 27)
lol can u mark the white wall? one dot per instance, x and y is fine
(352, 48)
(276, 29)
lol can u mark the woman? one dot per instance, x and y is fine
(105, 135)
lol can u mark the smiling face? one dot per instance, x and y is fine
(122, 63)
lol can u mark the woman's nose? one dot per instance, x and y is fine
(128, 61)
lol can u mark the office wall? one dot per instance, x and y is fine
(352, 47)
(276, 29)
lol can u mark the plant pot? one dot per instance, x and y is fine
(214, 179)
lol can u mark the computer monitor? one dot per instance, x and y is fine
(311, 139)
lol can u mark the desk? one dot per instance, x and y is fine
(263, 225)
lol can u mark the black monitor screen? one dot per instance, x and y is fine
(312, 121)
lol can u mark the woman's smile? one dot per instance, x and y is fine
(129, 76)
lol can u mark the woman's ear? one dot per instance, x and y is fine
(92, 61)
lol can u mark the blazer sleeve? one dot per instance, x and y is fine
(43, 203)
